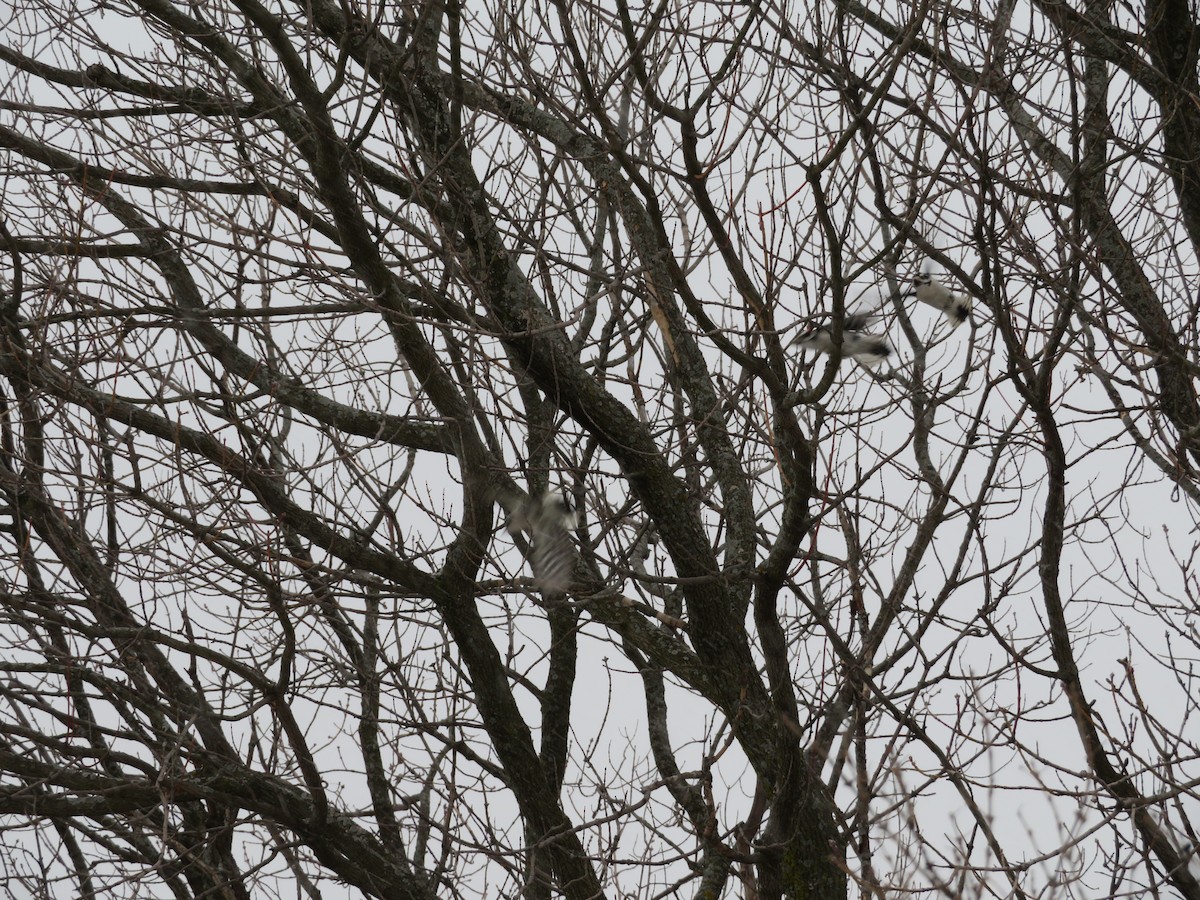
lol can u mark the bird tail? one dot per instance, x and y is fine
(871, 351)
(959, 311)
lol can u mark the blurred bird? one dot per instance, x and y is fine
(866, 348)
(548, 519)
(927, 289)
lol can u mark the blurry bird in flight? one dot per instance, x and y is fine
(927, 289)
(548, 520)
(866, 348)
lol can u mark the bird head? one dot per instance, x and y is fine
(557, 508)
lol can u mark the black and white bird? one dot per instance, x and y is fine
(927, 289)
(548, 520)
(866, 348)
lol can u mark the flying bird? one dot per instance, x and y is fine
(866, 348)
(927, 289)
(548, 520)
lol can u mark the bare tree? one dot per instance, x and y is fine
(563, 449)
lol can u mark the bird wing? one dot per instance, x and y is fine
(552, 555)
